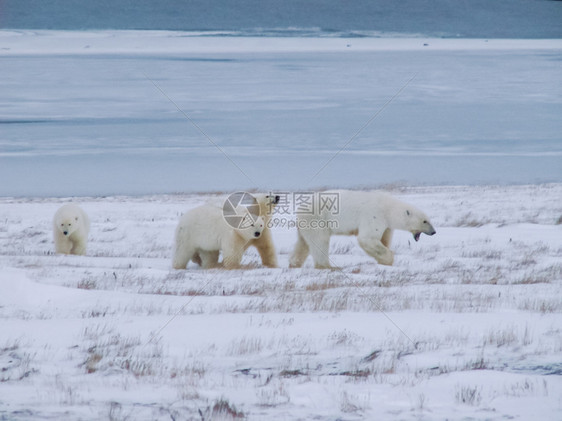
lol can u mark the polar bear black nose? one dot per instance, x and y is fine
(65, 232)
(257, 234)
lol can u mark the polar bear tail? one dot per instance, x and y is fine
(300, 253)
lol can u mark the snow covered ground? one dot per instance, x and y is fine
(466, 325)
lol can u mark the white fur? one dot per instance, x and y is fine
(264, 244)
(202, 233)
(71, 226)
(371, 216)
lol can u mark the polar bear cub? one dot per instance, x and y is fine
(71, 226)
(371, 216)
(202, 233)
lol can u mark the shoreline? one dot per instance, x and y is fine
(138, 42)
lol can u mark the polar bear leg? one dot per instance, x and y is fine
(78, 248)
(232, 252)
(62, 244)
(207, 259)
(183, 254)
(196, 258)
(300, 253)
(376, 249)
(266, 249)
(319, 247)
(387, 237)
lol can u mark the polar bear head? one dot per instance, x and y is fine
(267, 203)
(67, 221)
(417, 222)
(252, 228)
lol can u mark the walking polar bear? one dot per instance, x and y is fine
(371, 216)
(203, 232)
(71, 226)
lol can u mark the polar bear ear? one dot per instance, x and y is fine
(273, 198)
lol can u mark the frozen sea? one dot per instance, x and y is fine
(133, 112)
(157, 97)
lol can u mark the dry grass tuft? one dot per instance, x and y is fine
(225, 410)
(468, 395)
(468, 220)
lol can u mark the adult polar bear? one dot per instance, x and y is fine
(202, 233)
(71, 226)
(208, 256)
(371, 216)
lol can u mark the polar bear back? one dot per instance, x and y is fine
(206, 224)
(354, 209)
(350, 210)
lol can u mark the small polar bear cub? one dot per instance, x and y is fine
(202, 233)
(371, 216)
(71, 226)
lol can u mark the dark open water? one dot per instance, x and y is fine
(441, 18)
